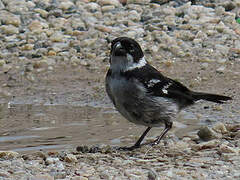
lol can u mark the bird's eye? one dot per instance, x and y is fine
(131, 49)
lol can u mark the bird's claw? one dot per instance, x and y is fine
(128, 148)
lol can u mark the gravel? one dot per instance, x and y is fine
(76, 30)
(187, 158)
(38, 36)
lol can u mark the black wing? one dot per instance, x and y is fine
(159, 85)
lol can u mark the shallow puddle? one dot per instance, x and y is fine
(27, 127)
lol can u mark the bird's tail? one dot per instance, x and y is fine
(210, 97)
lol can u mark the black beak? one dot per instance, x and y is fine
(117, 46)
(118, 49)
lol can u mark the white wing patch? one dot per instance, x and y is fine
(142, 62)
(164, 89)
(152, 82)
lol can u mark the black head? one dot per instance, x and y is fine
(124, 46)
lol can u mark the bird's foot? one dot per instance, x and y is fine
(154, 143)
(128, 148)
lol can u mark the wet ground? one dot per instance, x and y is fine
(68, 107)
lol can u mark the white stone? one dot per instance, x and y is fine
(115, 3)
(9, 29)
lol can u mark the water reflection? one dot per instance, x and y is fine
(28, 127)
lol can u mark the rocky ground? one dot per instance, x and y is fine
(59, 50)
(188, 158)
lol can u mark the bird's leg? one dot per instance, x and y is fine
(168, 126)
(138, 143)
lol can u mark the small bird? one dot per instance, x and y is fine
(142, 94)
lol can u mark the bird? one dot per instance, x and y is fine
(142, 94)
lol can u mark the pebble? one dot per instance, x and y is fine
(58, 175)
(27, 47)
(92, 7)
(220, 128)
(185, 35)
(227, 149)
(70, 158)
(115, 3)
(138, 1)
(51, 160)
(9, 29)
(10, 19)
(6, 67)
(17, 6)
(107, 8)
(42, 12)
(42, 177)
(57, 37)
(8, 154)
(35, 26)
(2, 62)
(204, 65)
(206, 145)
(222, 61)
(206, 134)
(52, 53)
(103, 28)
(222, 49)
(221, 69)
(134, 16)
(88, 42)
(65, 5)
(4, 174)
